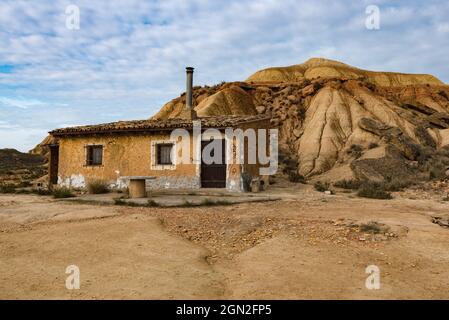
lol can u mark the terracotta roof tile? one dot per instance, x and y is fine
(156, 125)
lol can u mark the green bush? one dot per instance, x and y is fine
(63, 192)
(321, 186)
(97, 187)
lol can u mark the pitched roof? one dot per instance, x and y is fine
(158, 125)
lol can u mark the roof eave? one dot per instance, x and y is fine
(68, 132)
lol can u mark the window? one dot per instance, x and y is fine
(94, 155)
(163, 153)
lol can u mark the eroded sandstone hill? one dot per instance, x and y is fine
(338, 121)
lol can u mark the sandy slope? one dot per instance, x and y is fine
(125, 256)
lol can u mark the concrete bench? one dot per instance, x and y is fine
(137, 185)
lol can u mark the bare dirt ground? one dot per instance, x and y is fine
(307, 245)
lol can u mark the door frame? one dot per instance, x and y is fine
(225, 164)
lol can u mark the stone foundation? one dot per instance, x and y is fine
(174, 183)
(76, 181)
(79, 182)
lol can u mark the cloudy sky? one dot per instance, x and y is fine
(128, 57)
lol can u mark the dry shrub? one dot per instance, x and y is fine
(348, 184)
(373, 190)
(396, 184)
(97, 186)
(296, 177)
(321, 186)
(355, 151)
(63, 192)
(372, 227)
(8, 188)
(152, 204)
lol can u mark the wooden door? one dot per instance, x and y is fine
(213, 175)
(54, 164)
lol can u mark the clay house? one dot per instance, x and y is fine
(143, 154)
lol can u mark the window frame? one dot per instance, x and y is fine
(155, 165)
(89, 155)
(158, 150)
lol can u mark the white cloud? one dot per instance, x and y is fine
(19, 102)
(128, 58)
(443, 27)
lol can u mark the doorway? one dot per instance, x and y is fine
(54, 164)
(213, 175)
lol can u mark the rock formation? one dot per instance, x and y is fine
(338, 121)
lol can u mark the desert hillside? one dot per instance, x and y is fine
(337, 121)
(323, 68)
(20, 168)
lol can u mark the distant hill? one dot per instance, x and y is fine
(11, 159)
(20, 168)
(324, 68)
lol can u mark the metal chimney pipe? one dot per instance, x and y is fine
(189, 88)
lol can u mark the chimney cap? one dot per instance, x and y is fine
(189, 69)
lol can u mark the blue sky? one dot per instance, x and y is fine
(128, 57)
